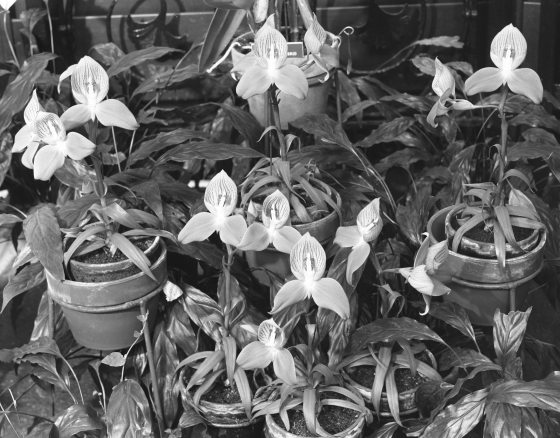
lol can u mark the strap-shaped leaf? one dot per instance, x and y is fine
(244, 390)
(379, 380)
(134, 253)
(81, 238)
(230, 354)
(393, 394)
(502, 215)
(205, 367)
(309, 410)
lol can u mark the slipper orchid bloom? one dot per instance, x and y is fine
(325, 55)
(507, 51)
(307, 262)
(266, 66)
(26, 138)
(358, 237)
(7, 4)
(58, 145)
(273, 229)
(429, 271)
(444, 87)
(220, 199)
(90, 85)
(269, 348)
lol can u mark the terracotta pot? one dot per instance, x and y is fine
(485, 249)
(278, 262)
(103, 315)
(225, 415)
(274, 430)
(481, 285)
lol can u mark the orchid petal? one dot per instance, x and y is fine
(76, 146)
(245, 63)
(290, 80)
(284, 367)
(329, 294)
(270, 45)
(220, 196)
(90, 82)
(47, 161)
(256, 80)
(356, 259)
(427, 300)
(75, 116)
(66, 74)
(29, 154)
(462, 105)
(419, 279)
(32, 109)
(438, 109)
(292, 292)
(254, 355)
(436, 256)
(22, 138)
(256, 238)
(526, 82)
(198, 228)
(49, 128)
(112, 112)
(508, 48)
(443, 79)
(271, 334)
(232, 229)
(348, 236)
(369, 221)
(285, 238)
(308, 259)
(275, 210)
(486, 79)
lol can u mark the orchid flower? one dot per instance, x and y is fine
(266, 66)
(429, 271)
(325, 55)
(307, 262)
(7, 4)
(269, 348)
(358, 237)
(58, 145)
(273, 229)
(90, 85)
(220, 199)
(507, 51)
(444, 87)
(26, 138)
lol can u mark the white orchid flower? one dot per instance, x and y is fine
(58, 145)
(269, 348)
(507, 51)
(273, 229)
(307, 262)
(324, 55)
(358, 237)
(26, 138)
(266, 66)
(90, 85)
(429, 271)
(444, 87)
(220, 199)
(7, 4)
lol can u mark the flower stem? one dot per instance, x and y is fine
(273, 99)
(49, 17)
(8, 38)
(502, 155)
(227, 298)
(100, 185)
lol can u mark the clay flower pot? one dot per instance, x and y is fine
(274, 430)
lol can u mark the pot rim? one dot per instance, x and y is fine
(82, 284)
(489, 247)
(359, 422)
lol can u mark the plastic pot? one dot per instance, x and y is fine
(278, 262)
(481, 285)
(274, 430)
(104, 315)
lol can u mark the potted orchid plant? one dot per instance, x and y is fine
(495, 234)
(100, 256)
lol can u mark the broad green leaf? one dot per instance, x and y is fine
(128, 412)
(505, 420)
(458, 419)
(465, 358)
(180, 329)
(165, 79)
(77, 419)
(441, 41)
(454, 315)
(541, 394)
(386, 431)
(137, 57)
(166, 361)
(387, 132)
(508, 334)
(6, 143)
(43, 235)
(244, 122)
(28, 277)
(114, 359)
(163, 140)
(537, 143)
(203, 311)
(207, 150)
(390, 330)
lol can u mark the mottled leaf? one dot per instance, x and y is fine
(454, 315)
(128, 412)
(137, 57)
(77, 419)
(28, 277)
(541, 394)
(203, 311)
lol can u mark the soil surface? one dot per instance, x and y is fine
(103, 255)
(403, 378)
(333, 419)
(221, 393)
(480, 234)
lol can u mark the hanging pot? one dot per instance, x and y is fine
(274, 430)
(104, 315)
(481, 285)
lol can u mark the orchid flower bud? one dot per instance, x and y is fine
(271, 334)
(260, 9)
(443, 79)
(275, 211)
(508, 50)
(315, 37)
(220, 196)
(271, 46)
(7, 4)
(308, 259)
(369, 221)
(32, 109)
